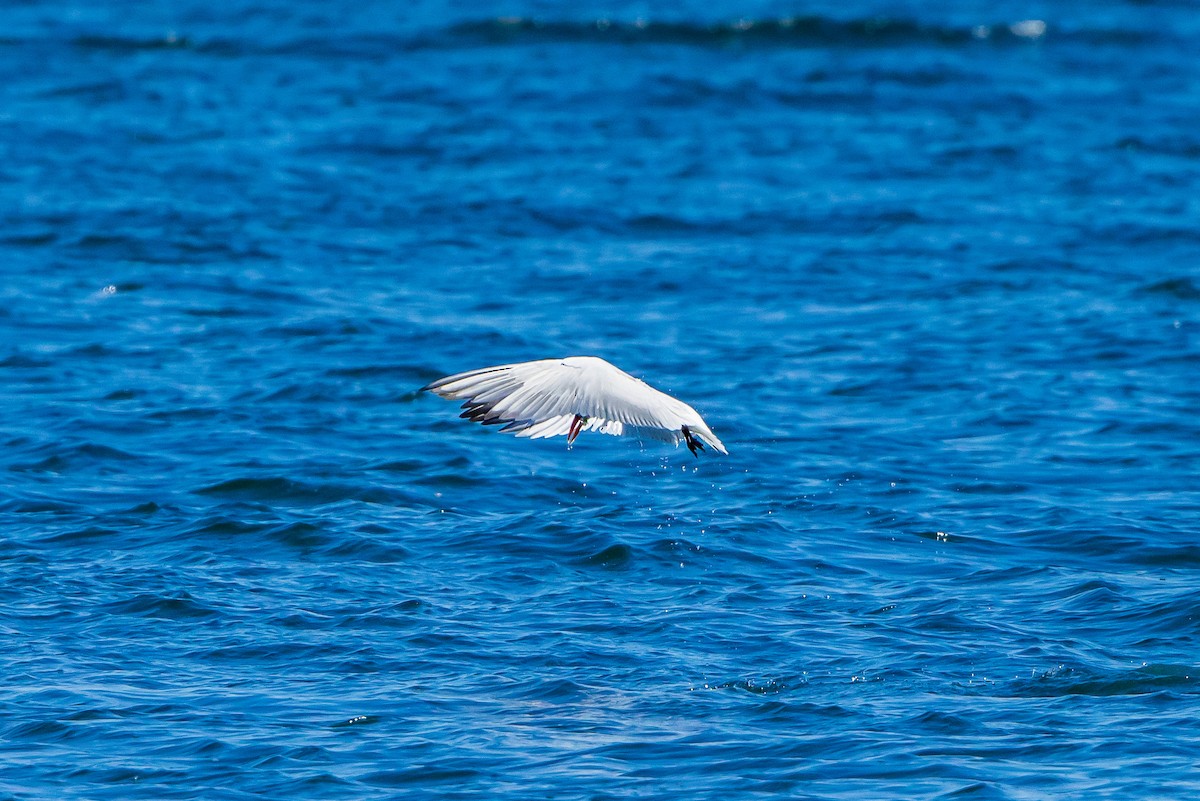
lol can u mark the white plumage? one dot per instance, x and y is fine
(552, 397)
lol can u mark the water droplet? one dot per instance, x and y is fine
(1028, 28)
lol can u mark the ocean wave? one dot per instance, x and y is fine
(1066, 680)
(769, 32)
(803, 31)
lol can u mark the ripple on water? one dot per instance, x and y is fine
(58, 458)
(618, 556)
(179, 606)
(1148, 679)
(280, 489)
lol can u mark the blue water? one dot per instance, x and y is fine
(931, 275)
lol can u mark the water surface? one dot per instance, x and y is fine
(930, 276)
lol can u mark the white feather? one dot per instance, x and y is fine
(547, 398)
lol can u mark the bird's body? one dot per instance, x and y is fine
(552, 397)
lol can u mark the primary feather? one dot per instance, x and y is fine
(554, 397)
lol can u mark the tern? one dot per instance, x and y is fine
(552, 397)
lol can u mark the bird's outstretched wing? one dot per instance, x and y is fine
(553, 397)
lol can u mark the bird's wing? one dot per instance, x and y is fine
(542, 399)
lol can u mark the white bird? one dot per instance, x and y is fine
(552, 397)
